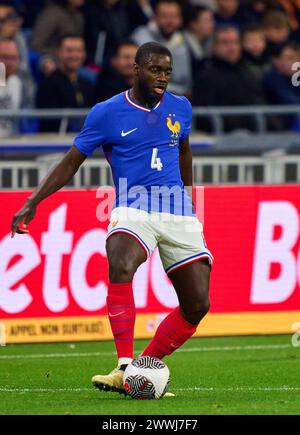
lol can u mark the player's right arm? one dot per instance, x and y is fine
(58, 177)
(91, 136)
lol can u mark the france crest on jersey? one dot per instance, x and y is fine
(142, 148)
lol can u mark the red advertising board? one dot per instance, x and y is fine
(53, 282)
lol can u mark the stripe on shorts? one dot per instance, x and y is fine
(190, 260)
(133, 234)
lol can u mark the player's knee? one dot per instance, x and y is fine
(203, 306)
(121, 269)
(197, 309)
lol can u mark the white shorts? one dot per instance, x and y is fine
(179, 239)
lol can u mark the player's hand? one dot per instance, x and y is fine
(22, 218)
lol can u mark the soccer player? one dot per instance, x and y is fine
(144, 133)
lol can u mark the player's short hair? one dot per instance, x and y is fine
(146, 50)
(62, 38)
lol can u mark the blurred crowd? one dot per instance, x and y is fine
(74, 53)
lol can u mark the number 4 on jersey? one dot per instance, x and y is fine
(155, 161)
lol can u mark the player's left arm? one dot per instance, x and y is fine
(186, 165)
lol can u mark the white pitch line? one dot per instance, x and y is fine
(191, 389)
(231, 348)
(57, 355)
(112, 353)
(43, 390)
(237, 389)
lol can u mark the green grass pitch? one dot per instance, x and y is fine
(230, 375)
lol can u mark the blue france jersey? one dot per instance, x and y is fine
(142, 148)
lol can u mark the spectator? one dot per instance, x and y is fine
(227, 13)
(200, 25)
(211, 4)
(47, 65)
(292, 9)
(254, 11)
(140, 12)
(10, 27)
(16, 4)
(18, 92)
(278, 82)
(165, 28)
(107, 24)
(226, 81)
(64, 88)
(59, 17)
(254, 50)
(29, 9)
(119, 75)
(277, 30)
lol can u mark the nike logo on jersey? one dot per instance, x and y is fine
(114, 315)
(127, 132)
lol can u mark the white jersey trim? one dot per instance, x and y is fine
(137, 106)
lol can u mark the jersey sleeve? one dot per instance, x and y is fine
(92, 134)
(188, 120)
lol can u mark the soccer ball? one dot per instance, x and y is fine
(146, 378)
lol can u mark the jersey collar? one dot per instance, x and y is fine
(128, 99)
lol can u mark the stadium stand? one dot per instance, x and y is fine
(235, 62)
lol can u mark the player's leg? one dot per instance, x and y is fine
(191, 283)
(124, 254)
(187, 261)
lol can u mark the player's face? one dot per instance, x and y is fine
(153, 76)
